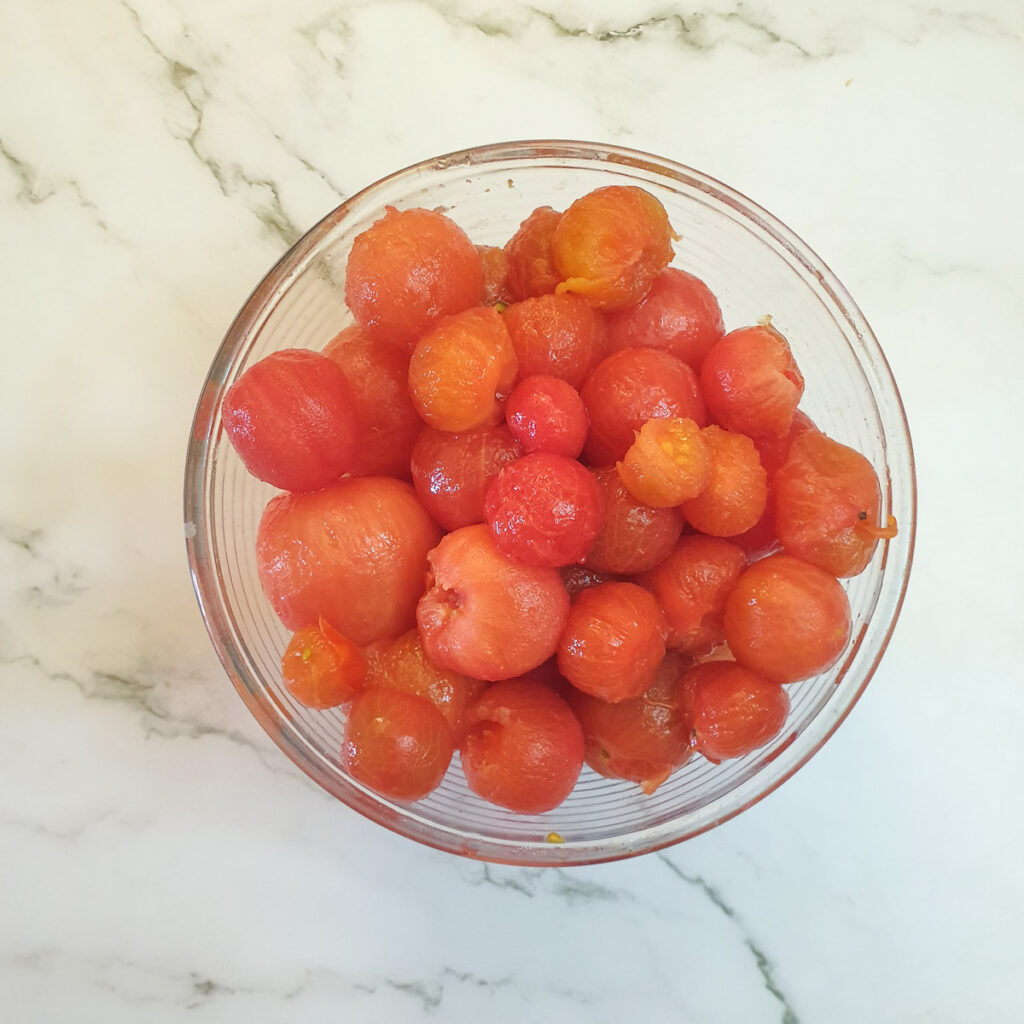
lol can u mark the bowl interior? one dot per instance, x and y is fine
(755, 266)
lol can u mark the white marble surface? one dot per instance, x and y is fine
(160, 859)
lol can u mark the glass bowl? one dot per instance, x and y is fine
(755, 266)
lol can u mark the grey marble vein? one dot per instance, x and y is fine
(61, 584)
(142, 695)
(531, 882)
(191, 989)
(205, 989)
(332, 24)
(187, 82)
(431, 992)
(761, 961)
(574, 889)
(703, 31)
(689, 31)
(516, 882)
(25, 537)
(934, 269)
(35, 189)
(40, 828)
(311, 167)
(976, 23)
(765, 968)
(27, 176)
(770, 37)
(692, 31)
(194, 988)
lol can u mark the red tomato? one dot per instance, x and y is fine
(629, 388)
(402, 664)
(611, 244)
(692, 586)
(751, 382)
(451, 472)
(826, 506)
(787, 619)
(462, 369)
(544, 510)
(322, 668)
(557, 336)
(733, 710)
(291, 418)
(409, 269)
(679, 314)
(737, 492)
(396, 743)
(524, 748)
(635, 537)
(613, 642)
(388, 425)
(354, 553)
(644, 739)
(485, 614)
(545, 414)
(531, 268)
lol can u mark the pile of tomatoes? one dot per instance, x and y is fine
(540, 508)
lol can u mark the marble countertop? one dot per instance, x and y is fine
(161, 859)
